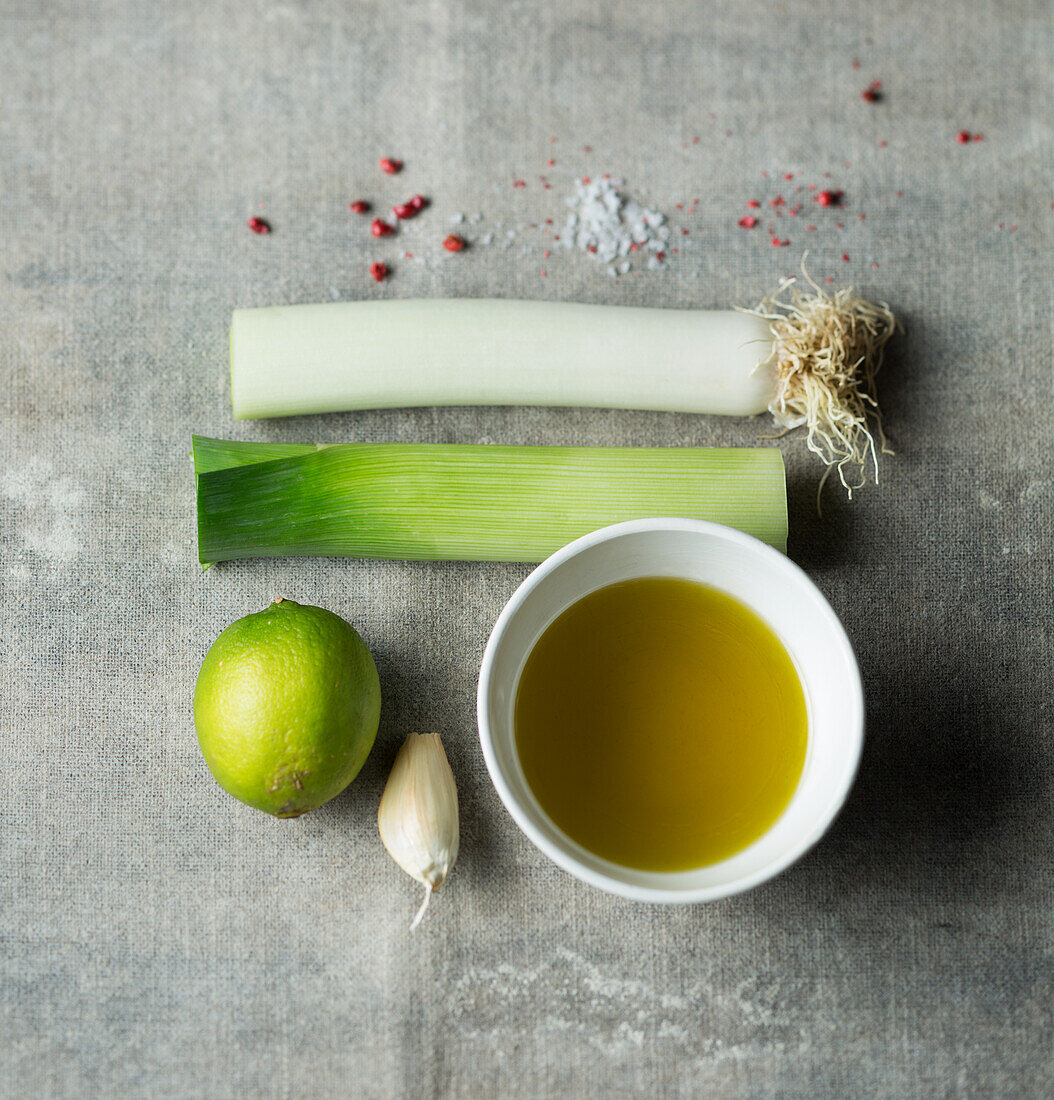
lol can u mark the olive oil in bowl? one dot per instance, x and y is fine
(661, 724)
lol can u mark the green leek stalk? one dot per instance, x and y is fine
(436, 502)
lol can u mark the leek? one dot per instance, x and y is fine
(810, 360)
(389, 354)
(435, 502)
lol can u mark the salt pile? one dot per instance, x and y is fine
(606, 223)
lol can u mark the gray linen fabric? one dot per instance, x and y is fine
(157, 939)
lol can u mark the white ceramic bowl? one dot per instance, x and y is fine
(762, 578)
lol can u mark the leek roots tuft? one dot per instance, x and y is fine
(828, 351)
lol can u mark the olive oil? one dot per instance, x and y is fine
(661, 724)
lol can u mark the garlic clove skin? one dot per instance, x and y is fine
(418, 814)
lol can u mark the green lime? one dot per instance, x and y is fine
(286, 707)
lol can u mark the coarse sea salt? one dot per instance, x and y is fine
(607, 223)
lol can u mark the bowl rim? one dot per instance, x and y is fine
(567, 861)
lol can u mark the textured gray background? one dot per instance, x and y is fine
(157, 938)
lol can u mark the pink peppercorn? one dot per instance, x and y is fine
(380, 229)
(390, 165)
(258, 225)
(359, 206)
(453, 243)
(830, 198)
(748, 221)
(379, 271)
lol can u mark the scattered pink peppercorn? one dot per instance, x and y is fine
(379, 271)
(259, 225)
(962, 137)
(830, 198)
(873, 92)
(845, 257)
(403, 210)
(419, 202)
(359, 206)
(380, 229)
(390, 165)
(753, 204)
(453, 243)
(748, 221)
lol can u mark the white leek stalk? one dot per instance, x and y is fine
(371, 355)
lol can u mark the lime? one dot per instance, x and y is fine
(286, 707)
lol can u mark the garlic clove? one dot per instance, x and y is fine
(418, 815)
